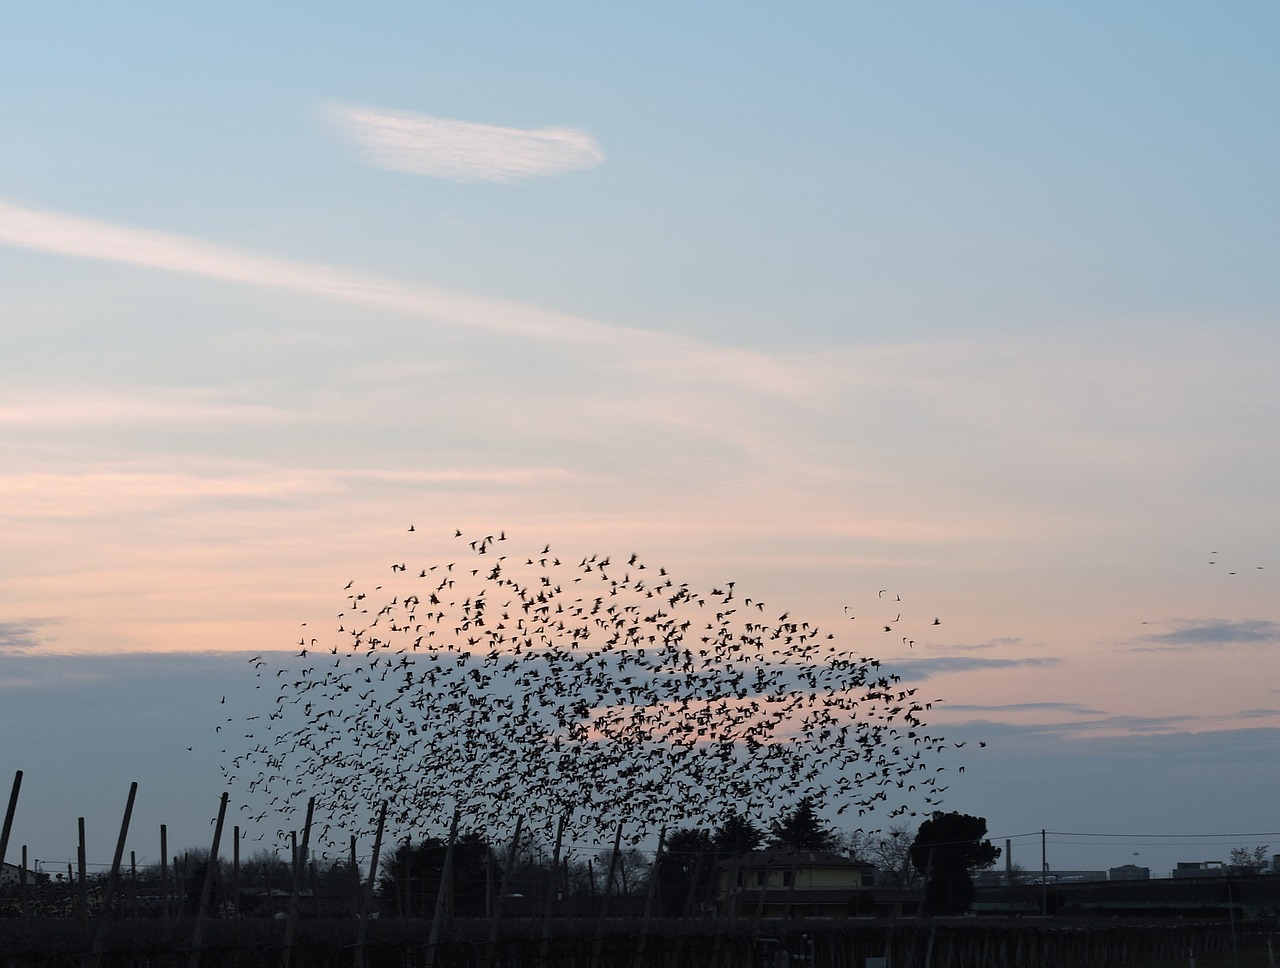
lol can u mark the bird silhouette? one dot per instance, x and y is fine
(579, 692)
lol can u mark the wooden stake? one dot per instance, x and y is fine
(113, 880)
(83, 890)
(492, 951)
(366, 896)
(598, 944)
(8, 815)
(299, 868)
(22, 882)
(545, 944)
(648, 901)
(235, 869)
(164, 879)
(443, 894)
(206, 894)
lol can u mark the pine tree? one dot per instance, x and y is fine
(803, 829)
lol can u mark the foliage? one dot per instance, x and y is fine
(1245, 860)
(947, 848)
(803, 829)
(266, 869)
(737, 834)
(410, 879)
(630, 872)
(889, 851)
(686, 870)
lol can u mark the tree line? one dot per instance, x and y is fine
(941, 854)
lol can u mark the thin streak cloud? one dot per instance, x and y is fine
(659, 353)
(21, 636)
(420, 144)
(1212, 633)
(920, 669)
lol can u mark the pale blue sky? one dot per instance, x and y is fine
(975, 302)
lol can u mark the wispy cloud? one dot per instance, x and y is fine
(925, 668)
(1027, 707)
(1211, 633)
(20, 636)
(998, 643)
(461, 150)
(666, 355)
(71, 493)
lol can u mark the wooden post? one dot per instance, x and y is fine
(693, 882)
(8, 815)
(366, 896)
(648, 901)
(492, 951)
(299, 868)
(235, 870)
(597, 945)
(545, 944)
(355, 879)
(446, 888)
(83, 890)
(1044, 875)
(164, 880)
(206, 894)
(113, 879)
(22, 883)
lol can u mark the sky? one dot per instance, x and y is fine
(973, 304)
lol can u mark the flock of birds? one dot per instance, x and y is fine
(597, 693)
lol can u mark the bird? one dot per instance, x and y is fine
(575, 689)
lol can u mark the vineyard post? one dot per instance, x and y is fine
(545, 943)
(445, 890)
(113, 881)
(210, 872)
(22, 883)
(597, 945)
(164, 879)
(83, 889)
(355, 878)
(648, 901)
(502, 892)
(235, 869)
(366, 895)
(8, 815)
(299, 868)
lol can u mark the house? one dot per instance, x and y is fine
(11, 873)
(782, 882)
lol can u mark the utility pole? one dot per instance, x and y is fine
(1044, 876)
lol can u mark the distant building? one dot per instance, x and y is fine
(1129, 872)
(1067, 877)
(10, 874)
(783, 883)
(1200, 868)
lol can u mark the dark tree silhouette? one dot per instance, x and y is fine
(803, 829)
(686, 870)
(410, 878)
(737, 834)
(947, 848)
